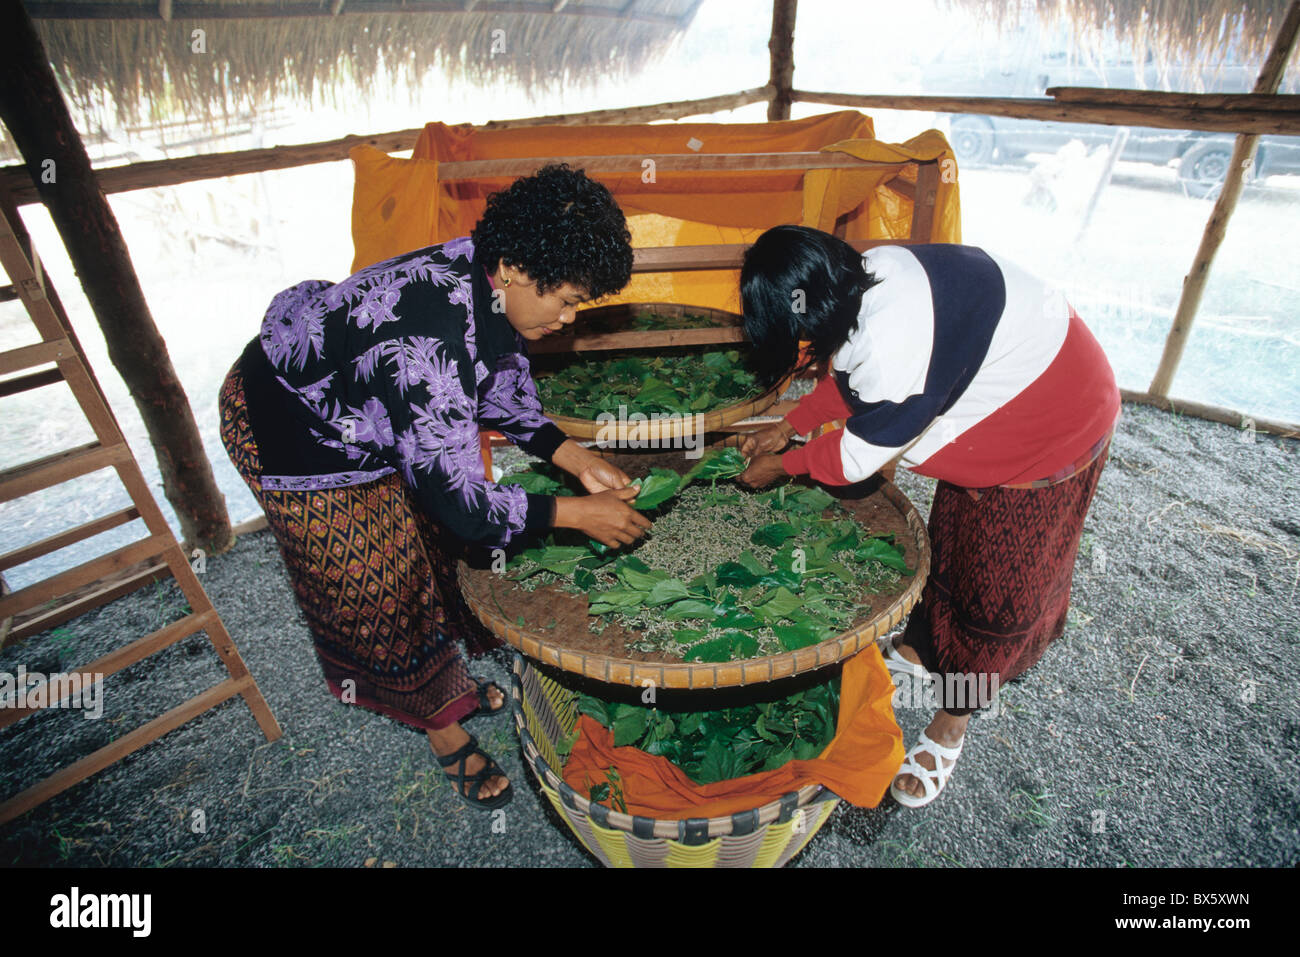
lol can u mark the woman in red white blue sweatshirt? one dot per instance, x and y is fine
(961, 366)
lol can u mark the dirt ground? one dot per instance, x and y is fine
(1162, 730)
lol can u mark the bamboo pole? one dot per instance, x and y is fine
(1243, 154)
(1117, 144)
(1096, 96)
(781, 48)
(639, 114)
(1284, 122)
(211, 166)
(455, 170)
(38, 120)
(187, 169)
(1213, 413)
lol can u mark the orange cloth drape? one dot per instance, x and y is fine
(858, 764)
(401, 204)
(879, 212)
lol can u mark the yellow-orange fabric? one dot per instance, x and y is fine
(394, 205)
(401, 205)
(878, 211)
(858, 764)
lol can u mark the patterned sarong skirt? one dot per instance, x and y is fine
(999, 588)
(377, 582)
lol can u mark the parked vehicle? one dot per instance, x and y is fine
(1202, 158)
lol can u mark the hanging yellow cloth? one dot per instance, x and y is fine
(879, 212)
(400, 204)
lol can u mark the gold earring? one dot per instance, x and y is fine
(507, 280)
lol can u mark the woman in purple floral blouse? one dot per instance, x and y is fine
(355, 420)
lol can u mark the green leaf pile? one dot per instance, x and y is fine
(678, 384)
(817, 560)
(728, 743)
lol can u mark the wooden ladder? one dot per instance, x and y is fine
(101, 579)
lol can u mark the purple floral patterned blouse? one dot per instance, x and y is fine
(397, 368)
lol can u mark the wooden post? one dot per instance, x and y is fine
(781, 46)
(1117, 144)
(1243, 154)
(38, 120)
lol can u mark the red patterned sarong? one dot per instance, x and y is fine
(1000, 575)
(377, 581)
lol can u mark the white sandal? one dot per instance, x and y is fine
(896, 663)
(932, 781)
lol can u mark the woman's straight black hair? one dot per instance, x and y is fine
(799, 283)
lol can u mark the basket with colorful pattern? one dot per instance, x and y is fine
(768, 835)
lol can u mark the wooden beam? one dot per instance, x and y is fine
(39, 353)
(1117, 144)
(1213, 413)
(32, 380)
(1243, 155)
(116, 660)
(924, 202)
(605, 342)
(1096, 95)
(85, 599)
(33, 110)
(84, 574)
(257, 523)
(720, 256)
(638, 114)
(182, 10)
(780, 48)
(63, 539)
(1282, 122)
(668, 162)
(121, 747)
(902, 187)
(58, 468)
(153, 174)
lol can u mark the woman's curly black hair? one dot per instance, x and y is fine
(799, 283)
(558, 226)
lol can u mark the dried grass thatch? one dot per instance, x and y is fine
(1174, 31)
(146, 69)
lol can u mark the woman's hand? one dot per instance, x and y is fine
(770, 438)
(596, 474)
(763, 470)
(605, 516)
(600, 476)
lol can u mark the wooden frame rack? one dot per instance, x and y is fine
(158, 553)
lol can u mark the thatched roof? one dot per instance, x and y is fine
(125, 57)
(258, 52)
(1188, 31)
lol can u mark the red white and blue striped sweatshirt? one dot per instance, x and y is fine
(964, 367)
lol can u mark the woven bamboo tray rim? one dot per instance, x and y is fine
(670, 308)
(682, 424)
(702, 675)
(685, 830)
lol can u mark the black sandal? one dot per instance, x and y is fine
(485, 708)
(459, 778)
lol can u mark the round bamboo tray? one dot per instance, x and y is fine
(663, 428)
(768, 835)
(484, 588)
